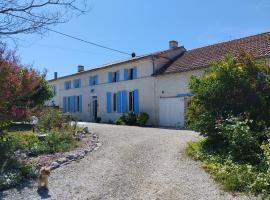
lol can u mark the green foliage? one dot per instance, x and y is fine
(10, 178)
(58, 142)
(142, 119)
(43, 93)
(233, 86)
(98, 120)
(242, 143)
(24, 140)
(133, 119)
(53, 119)
(231, 107)
(227, 106)
(120, 121)
(231, 175)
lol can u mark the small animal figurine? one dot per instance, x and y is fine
(43, 177)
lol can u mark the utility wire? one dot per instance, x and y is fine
(73, 37)
(174, 63)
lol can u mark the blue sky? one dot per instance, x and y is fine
(142, 26)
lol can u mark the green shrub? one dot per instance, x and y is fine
(233, 86)
(25, 141)
(10, 178)
(231, 175)
(52, 119)
(142, 119)
(98, 120)
(242, 143)
(120, 122)
(133, 119)
(58, 142)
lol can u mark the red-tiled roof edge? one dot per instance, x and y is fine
(199, 58)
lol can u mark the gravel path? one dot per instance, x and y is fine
(133, 163)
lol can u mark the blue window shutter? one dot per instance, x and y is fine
(80, 83)
(134, 72)
(124, 101)
(110, 77)
(125, 74)
(74, 83)
(96, 79)
(65, 85)
(72, 103)
(80, 103)
(90, 80)
(108, 102)
(117, 76)
(64, 104)
(136, 101)
(118, 101)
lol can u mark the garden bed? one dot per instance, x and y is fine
(57, 141)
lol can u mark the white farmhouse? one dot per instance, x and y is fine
(156, 83)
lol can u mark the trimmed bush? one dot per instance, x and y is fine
(142, 119)
(133, 119)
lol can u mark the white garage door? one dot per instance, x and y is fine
(171, 112)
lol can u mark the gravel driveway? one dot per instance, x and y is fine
(133, 163)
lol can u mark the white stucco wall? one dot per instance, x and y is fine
(144, 83)
(170, 85)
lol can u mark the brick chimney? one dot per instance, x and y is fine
(80, 68)
(173, 44)
(55, 75)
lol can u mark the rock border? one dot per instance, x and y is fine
(76, 154)
(90, 142)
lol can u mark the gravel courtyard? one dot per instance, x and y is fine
(133, 163)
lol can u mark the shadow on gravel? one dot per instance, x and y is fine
(43, 193)
(19, 188)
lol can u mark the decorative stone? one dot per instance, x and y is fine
(54, 165)
(62, 160)
(81, 154)
(99, 144)
(71, 156)
(86, 130)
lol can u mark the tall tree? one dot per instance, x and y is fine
(34, 16)
(22, 88)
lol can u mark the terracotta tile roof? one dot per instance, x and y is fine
(257, 45)
(115, 63)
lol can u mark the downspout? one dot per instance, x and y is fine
(155, 97)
